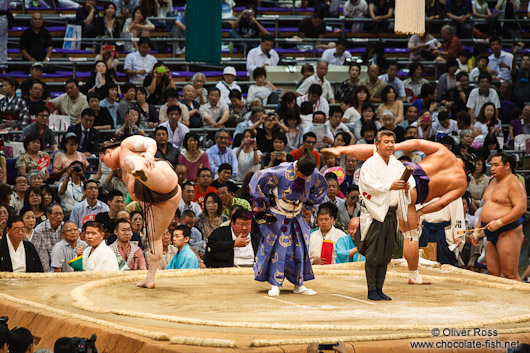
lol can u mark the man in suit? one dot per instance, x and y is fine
(87, 134)
(17, 254)
(232, 245)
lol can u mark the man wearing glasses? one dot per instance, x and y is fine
(308, 141)
(204, 186)
(48, 233)
(17, 196)
(67, 249)
(17, 254)
(90, 207)
(220, 153)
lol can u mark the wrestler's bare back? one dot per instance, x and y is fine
(498, 197)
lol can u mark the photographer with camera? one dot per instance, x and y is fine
(75, 344)
(248, 155)
(71, 189)
(157, 82)
(247, 26)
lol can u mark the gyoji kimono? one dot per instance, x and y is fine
(283, 251)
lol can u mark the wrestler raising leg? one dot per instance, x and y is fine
(153, 183)
(503, 215)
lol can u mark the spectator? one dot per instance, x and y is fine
(185, 258)
(489, 148)
(307, 71)
(71, 103)
(23, 257)
(318, 78)
(335, 124)
(125, 250)
(426, 100)
(337, 55)
(157, 82)
(48, 233)
(125, 8)
(314, 96)
(263, 55)
(487, 121)
(108, 26)
(314, 27)
(87, 16)
(262, 89)
(36, 42)
(90, 206)
(230, 246)
(434, 10)
(19, 189)
(165, 150)
(227, 84)
(508, 10)
(380, 12)
(325, 136)
(103, 118)
(350, 208)
(14, 109)
(139, 63)
(391, 103)
(203, 186)
(463, 122)
(168, 250)
(137, 26)
(360, 95)
(212, 217)
(374, 84)
(4, 215)
(414, 83)
(110, 103)
(459, 12)
(351, 174)
(130, 124)
(193, 158)
(248, 155)
(367, 115)
(214, 113)
(67, 249)
(226, 194)
(389, 123)
(247, 26)
(482, 66)
(455, 99)
(309, 141)
(356, 9)
(176, 130)
(223, 177)
(68, 154)
(411, 117)
(333, 190)
(35, 178)
(326, 215)
(186, 203)
(345, 247)
(20, 340)
(115, 203)
(188, 220)
(31, 159)
(98, 257)
(481, 11)
(466, 138)
(482, 94)
(452, 46)
(448, 79)
(368, 132)
(239, 112)
(47, 194)
(35, 74)
(33, 199)
(295, 130)
(40, 128)
(392, 80)
(198, 80)
(34, 99)
(478, 182)
(114, 181)
(171, 97)
(347, 86)
(500, 62)
(425, 125)
(526, 119)
(424, 47)
(220, 153)
(71, 186)
(129, 93)
(445, 126)
(265, 133)
(278, 155)
(99, 79)
(88, 136)
(189, 100)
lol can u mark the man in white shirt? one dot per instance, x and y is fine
(326, 231)
(186, 203)
(263, 55)
(323, 132)
(318, 78)
(314, 96)
(356, 9)
(337, 55)
(98, 257)
(140, 63)
(175, 130)
(500, 62)
(228, 84)
(214, 113)
(482, 94)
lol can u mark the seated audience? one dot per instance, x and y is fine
(36, 42)
(165, 150)
(71, 186)
(125, 250)
(148, 113)
(14, 110)
(168, 250)
(176, 130)
(220, 153)
(345, 247)
(67, 249)
(90, 206)
(33, 158)
(212, 216)
(48, 233)
(326, 232)
(186, 202)
(140, 63)
(71, 103)
(98, 257)
(17, 254)
(227, 84)
(88, 136)
(185, 258)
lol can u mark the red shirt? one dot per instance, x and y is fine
(199, 196)
(297, 153)
(453, 48)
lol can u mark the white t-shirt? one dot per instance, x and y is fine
(330, 55)
(355, 8)
(476, 101)
(245, 163)
(262, 92)
(352, 115)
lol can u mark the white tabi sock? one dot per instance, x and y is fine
(415, 276)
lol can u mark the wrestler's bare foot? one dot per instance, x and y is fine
(146, 283)
(330, 152)
(139, 174)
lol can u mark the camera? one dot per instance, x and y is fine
(3, 321)
(85, 345)
(77, 169)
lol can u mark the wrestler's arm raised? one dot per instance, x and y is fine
(427, 147)
(360, 152)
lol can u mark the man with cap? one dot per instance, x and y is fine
(228, 84)
(36, 41)
(87, 135)
(35, 73)
(283, 191)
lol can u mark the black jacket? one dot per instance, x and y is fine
(220, 249)
(92, 145)
(33, 263)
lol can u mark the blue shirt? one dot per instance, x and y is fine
(185, 258)
(343, 247)
(83, 209)
(217, 158)
(397, 84)
(113, 109)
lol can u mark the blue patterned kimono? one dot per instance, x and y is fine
(283, 251)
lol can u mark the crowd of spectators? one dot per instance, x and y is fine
(64, 203)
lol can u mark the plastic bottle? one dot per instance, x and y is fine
(18, 93)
